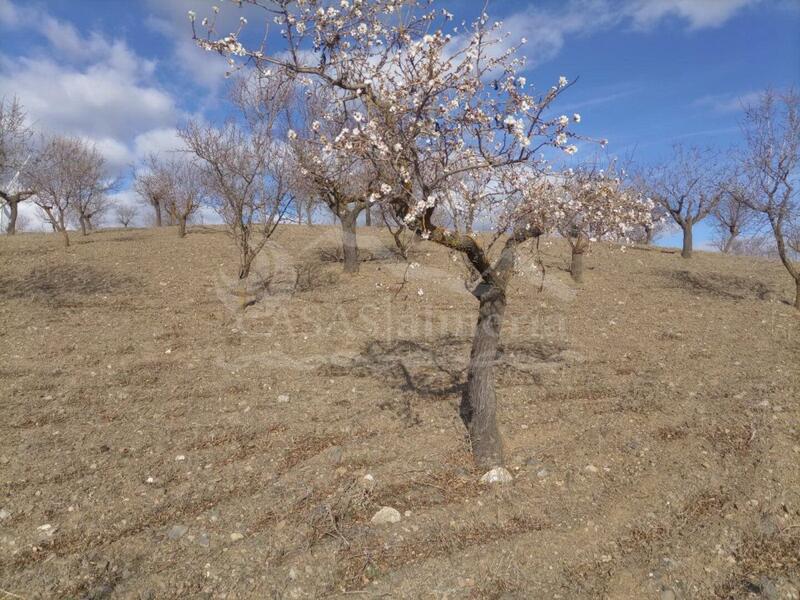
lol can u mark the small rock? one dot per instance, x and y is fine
(203, 540)
(4, 514)
(283, 398)
(45, 527)
(497, 475)
(150, 480)
(542, 473)
(180, 457)
(177, 532)
(387, 514)
(235, 537)
(292, 574)
(591, 469)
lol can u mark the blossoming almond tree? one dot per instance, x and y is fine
(596, 204)
(345, 181)
(429, 105)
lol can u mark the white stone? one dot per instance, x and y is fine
(235, 537)
(387, 514)
(591, 468)
(497, 475)
(283, 398)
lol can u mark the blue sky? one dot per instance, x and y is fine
(651, 73)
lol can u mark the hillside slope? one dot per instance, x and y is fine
(155, 443)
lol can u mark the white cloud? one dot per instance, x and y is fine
(157, 141)
(727, 103)
(204, 68)
(89, 86)
(548, 30)
(697, 13)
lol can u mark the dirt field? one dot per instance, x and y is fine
(155, 444)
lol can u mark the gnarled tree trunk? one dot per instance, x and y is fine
(797, 294)
(733, 234)
(687, 239)
(83, 225)
(157, 208)
(576, 265)
(649, 233)
(349, 244)
(13, 211)
(181, 226)
(479, 402)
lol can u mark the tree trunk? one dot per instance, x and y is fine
(65, 235)
(797, 294)
(368, 217)
(13, 210)
(181, 227)
(157, 208)
(479, 403)
(83, 225)
(649, 232)
(349, 245)
(687, 240)
(732, 235)
(309, 211)
(576, 266)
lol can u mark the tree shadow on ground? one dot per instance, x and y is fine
(720, 285)
(56, 284)
(436, 369)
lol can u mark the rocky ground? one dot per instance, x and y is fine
(156, 443)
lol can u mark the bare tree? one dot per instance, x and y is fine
(688, 188)
(67, 173)
(15, 155)
(151, 182)
(186, 191)
(733, 216)
(91, 206)
(248, 179)
(126, 214)
(771, 130)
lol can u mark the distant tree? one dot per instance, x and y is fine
(733, 215)
(595, 204)
(771, 158)
(688, 187)
(186, 190)
(247, 172)
(247, 177)
(68, 173)
(345, 183)
(16, 150)
(126, 214)
(151, 182)
(90, 207)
